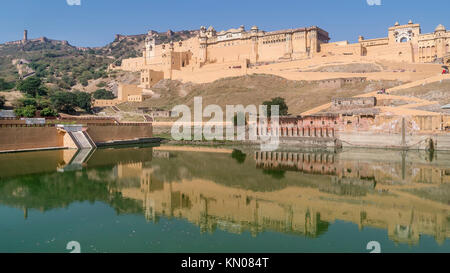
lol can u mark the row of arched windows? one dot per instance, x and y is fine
(275, 41)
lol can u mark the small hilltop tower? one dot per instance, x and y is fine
(25, 36)
(150, 46)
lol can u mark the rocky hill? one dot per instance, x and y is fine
(65, 66)
(129, 46)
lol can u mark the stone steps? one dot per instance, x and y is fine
(81, 140)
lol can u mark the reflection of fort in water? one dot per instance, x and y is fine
(369, 193)
(347, 168)
(407, 194)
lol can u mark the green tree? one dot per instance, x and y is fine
(4, 85)
(101, 84)
(63, 85)
(84, 82)
(238, 155)
(283, 108)
(103, 94)
(48, 112)
(68, 80)
(43, 102)
(28, 111)
(28, 101)
(64, 101)
(2, 101)
(31, 86)
(83, 100)
(85, 77)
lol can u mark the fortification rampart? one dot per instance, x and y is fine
(101, 133)
(24, 137)
(16, 137)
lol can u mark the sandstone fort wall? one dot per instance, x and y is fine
(20, 138)
(132, 64)
(101, 134)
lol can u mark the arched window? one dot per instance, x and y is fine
(403, 40)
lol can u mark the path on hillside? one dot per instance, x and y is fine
(403, 109)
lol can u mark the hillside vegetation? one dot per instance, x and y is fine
(65, 66)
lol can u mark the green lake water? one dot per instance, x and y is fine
(199, 199)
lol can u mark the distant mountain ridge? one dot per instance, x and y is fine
(53, 59)
(161, 37)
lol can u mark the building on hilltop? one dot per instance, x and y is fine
(25, 36)
(241, 47)
(339, 82)
(214, 55)
(43, 39)
(233, 45)
(404, 43)
(233, 49)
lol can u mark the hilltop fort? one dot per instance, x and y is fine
(211, 55)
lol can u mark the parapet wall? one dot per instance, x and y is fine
(108, 133)
(399, 52)
(18, 137)
(105, 103)
(12, 121)
(341, 49)
(15, 137)
(88, 120)
(133, 64)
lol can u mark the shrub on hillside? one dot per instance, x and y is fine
(64, 101)
(83, 100)
(2, 101)
(28, 101)
(283, 108)
(28, 111)
(32, 86)
(48, 112)
(103, 94)
(4, 85)
(101, 84)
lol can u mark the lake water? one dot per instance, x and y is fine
(200, 199)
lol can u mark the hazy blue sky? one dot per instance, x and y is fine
(94, 22)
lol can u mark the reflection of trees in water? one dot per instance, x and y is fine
(224, 170)
(238, 155)
(99, 181)
(49, 191)
(277, 174)
(315, 227)
(125, 205)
